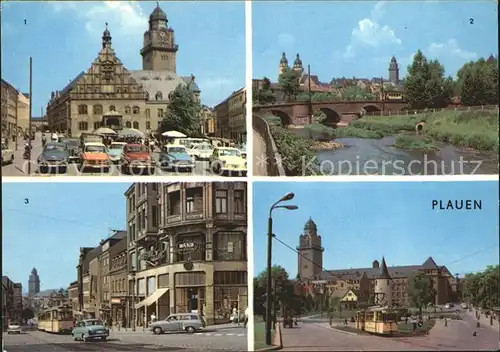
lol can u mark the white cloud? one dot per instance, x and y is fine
(285, 39)
(7, 29)
(450, 48)
(369, 32)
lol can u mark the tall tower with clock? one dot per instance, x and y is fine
(159, 50)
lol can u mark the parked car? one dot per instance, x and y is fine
(181, 322)
(14, 328)
(73, 145)
(201, 151)
(227, 160)
(94, 156)
(90, 329)
(464, 305)
(136, 157)
(115, 151)
(7, 154)
(176, 157)
(54, 156)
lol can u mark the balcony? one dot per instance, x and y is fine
(144, 236)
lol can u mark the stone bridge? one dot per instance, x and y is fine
(337, 113)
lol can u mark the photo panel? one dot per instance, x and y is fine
(123, 88)
(361, 88)
(386, 266)
(131, 267)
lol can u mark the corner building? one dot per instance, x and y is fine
(187, 250)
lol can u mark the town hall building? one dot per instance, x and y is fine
(108, 94)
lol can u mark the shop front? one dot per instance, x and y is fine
(118, 312)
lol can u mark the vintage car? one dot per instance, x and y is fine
(7, 154)
(181, 322)
(90, 329)
(136, 157)
(201, 151)
(243, 153)
(94, 156)
(14, 328)
(115, 151)
(175, 157)
(227, 160)
(73, 145)
(54, 157)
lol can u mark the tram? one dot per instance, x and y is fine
(56, 320)
(377, 320)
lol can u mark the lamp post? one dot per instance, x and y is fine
(270, 236)
(133, 298)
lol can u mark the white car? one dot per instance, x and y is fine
(115, 151)
(14, 328)
(201, 151)
(7, 154)
(227, 160)
(464, 305)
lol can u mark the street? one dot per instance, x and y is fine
(228, 338)
(313, 335)
(260, 155)
(20, 166)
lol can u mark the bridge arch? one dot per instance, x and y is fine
(332, 117)
(372, 109)
(284, 117)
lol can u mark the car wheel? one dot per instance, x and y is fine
(157, 330)
(216, 168)
(84, 338)
(74, 337)
(190, 329)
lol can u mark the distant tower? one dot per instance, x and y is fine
(310, 252)
(106, 38)
(283, 63)
(34, 283)
(297, 65)
(159, 50)
(383, 287)
(394, 71)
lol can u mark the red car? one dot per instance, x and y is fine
(136, 157)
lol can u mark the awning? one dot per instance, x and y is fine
(151, 299)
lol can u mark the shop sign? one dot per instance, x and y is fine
(187, 247)
(116, 300)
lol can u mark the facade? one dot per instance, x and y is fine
(87, 280)
(12, 301)
(197, 259)
(221, 112)
(9, 101)
(207, 119)
(33, 282)
(108, 94)
(38, 123)
(73, 296)
(393, 280)
(118, 280)
(237, 113)
(23, 112)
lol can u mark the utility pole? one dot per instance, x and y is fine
(383, 93)
(30, 116)
(310, 93)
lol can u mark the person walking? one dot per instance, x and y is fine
(245, 322)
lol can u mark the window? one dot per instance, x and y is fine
(148, 113)
(97, 124)
(148, 125)
(160, 113)
(154, 216)
(190, 247)
(143, 225)
(127, 109)
(151, 285)
(83, 126)
(82, 109)
(239, 201)
(230, 278)
(159, 96)
(194, 200)
(229, 246)
(136, 125)
(128, 124)
(136, 110)
(220, 201)
(112, 108)
(174, 203)
(97, 110)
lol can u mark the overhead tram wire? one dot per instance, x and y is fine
(339, 276)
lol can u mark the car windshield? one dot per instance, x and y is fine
(72, 142)
(176, 150)
(205, 147)
(94, 322)
(116, 146)
(137, 149)
(95, 149)
(55, 147)
(229, 152)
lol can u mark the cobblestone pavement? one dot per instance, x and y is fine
(229, 339)
(259, 155)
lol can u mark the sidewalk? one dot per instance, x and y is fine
(484, 320)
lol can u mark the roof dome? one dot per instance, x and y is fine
(310, 225)
(158, 14)
(393, 59)
(298, 61)
(283, 60)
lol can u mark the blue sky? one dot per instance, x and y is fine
(65, 37)
(358, 38)
(363, 221)
(47, 233)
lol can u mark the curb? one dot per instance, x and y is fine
(333, 328)
(277, 343)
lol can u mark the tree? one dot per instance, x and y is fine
(482, 289)
(278, 273)
(425, 85)
(265, 95)
(183, 113)
(357, 93)
(289, 82)
(478, 82)
(421, 291)
(27, 314)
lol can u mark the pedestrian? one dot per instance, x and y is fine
(245, 322)
(153, 318)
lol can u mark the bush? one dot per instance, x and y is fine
(415, 142)
(355, 132)
(294, 150)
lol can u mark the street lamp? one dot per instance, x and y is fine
(270, 236)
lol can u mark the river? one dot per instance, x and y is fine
(378, 157)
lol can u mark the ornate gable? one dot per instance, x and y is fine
(107, 78)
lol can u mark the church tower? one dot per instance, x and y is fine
(394, 71)
(383, 287)
(159, 50)
(106, 38)
(34, 282)
(283, 63)
(310, 252)
(297, 65)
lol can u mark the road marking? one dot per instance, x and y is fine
(230, 334)
(218, 335)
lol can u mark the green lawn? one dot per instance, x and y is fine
(260, 333)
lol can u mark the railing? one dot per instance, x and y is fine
(274, 165)
(423, 111)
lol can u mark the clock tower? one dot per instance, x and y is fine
(159, 50)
